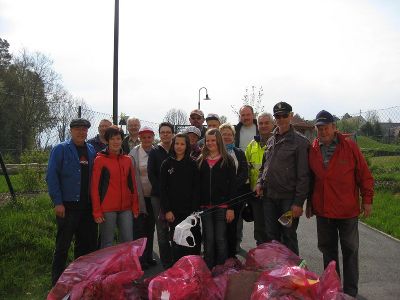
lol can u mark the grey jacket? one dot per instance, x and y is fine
(285, 173)
(134, 154)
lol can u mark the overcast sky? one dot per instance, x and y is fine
(341, 55)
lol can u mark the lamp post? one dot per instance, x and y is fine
(206, 98)
(115, 64)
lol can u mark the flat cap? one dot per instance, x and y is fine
(79, 122)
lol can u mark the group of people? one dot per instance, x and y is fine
(129, 183)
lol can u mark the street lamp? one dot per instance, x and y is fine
(206, 98)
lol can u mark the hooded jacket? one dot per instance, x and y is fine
(337, 187)
(113, 185)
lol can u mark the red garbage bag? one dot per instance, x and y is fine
(221, 273)
(270, 256)
(102, 274)
(329, 287)
(189, 278)
(289, 283)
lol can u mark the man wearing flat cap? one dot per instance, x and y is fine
(284, 180)
(341, 174)
(68, 178)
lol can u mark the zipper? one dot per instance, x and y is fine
(210, 183)
(120, 183)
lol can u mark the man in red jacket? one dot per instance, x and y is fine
(341, 174)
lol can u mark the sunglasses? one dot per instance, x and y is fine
(284, 116)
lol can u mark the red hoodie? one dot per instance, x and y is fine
(337, 187)
(113, 186)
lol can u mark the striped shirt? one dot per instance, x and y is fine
(327, 151)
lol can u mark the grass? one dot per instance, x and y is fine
(27, 234)
(16, 181)
(385, 213)
(370, 144)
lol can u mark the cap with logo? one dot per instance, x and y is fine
(146, 129)
(79, 122)
(197, 112)
(282, 108)
(193, 129)
(323, 118)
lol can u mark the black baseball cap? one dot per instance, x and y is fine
(79, 122)
(323, 118)
(282, 108)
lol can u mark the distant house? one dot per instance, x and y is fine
(304, 127)
(390, 131)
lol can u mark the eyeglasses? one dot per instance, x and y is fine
(284, 116)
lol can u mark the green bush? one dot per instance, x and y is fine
(32, 179)
(34, 156)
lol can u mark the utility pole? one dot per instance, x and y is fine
(115, 71)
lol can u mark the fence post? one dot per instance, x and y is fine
(10, 187)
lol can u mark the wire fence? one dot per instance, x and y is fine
(377, 132)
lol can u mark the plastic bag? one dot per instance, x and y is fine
(286, 283)
(189, 278)
(103, 274)
(297, 283)
(270, 256)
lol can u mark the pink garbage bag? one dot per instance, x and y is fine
(103, 274)
(292, 282)
(289, 283)
(189, 278)
(270, 256)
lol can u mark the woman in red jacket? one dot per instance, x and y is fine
(113, 190)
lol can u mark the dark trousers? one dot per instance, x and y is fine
(329, 232)
(259, 220)
(162, 228)
(215, 237)
(144, 226)
(233, 230)
(273, 209)
(179, 251)
(78, 224)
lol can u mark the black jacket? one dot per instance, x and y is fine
(242, 173)
(156, 156)
(179, 186)
(217, 184)
(238, 126)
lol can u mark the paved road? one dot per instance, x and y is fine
(379, 259)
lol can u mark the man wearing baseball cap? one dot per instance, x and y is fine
(68, 178)
(341, 174)
(284, 178)
(197, 119)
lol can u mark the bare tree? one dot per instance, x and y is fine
(223, 119)
(176, 116)
(253, 98)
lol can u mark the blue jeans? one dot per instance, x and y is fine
(215, 237)
(329, 232)
(273, 209)
(107, 229)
